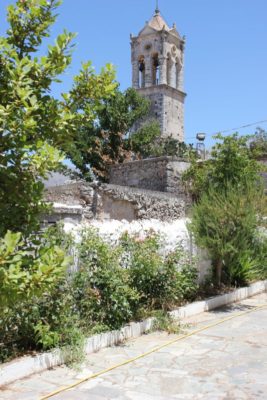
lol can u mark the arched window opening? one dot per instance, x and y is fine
(142, 72)
(155, 69)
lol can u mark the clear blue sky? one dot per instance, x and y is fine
(226, 52)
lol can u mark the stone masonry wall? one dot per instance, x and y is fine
(167, 108)
(112, 202)
(122, 202)
(161, 174)
(66, 194)
(79, 194)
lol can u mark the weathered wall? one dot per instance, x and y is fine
(122, 202)
(65, 194)
(166, 107)
(161, 174)
(78, 196)
(113, 202)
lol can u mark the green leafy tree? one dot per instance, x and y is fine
(31, 120)
(230, 202)
(102, 140)
(147, 142)
(27, 271)
(226, 224)
(232, 162)
(144, 140)
(258, 143)
(33, 124)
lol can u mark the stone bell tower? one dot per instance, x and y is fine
(157, 73)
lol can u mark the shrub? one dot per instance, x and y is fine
(101, 287)
(34, 124)
(226, 223)
(43, 323)
(232, 162)
(27, 269)
(29, 272)
(113, 285)
(161, 283)
(230, 201)
(249, 264)
(186, 273)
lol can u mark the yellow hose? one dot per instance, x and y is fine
(104, 371)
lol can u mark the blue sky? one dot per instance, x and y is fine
(226, 53)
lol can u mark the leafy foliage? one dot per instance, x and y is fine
(31, 120)
(103, 291)
(147, 142)
(226, 223)
(27, 270)
(258, 143)
(232, 162)
(230, 205)
(114, 284)
(33, 124)
(102, 140)
(161, 283)
(142, 142)
(44, 322)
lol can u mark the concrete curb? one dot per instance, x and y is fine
(219, 301)
(28, 365)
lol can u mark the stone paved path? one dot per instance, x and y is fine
(228, 361)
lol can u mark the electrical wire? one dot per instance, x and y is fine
(232, 129)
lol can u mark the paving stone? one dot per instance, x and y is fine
(226, 362)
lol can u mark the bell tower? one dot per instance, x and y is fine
(157, 56)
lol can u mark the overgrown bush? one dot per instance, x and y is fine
(161, 283)
(114, 284)
(185, 273)
(231, 162)
(249, 264)
(230, 202)
(29, 271)
(226, 223)
(43, 323)
(147, 142)
(101, 287)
